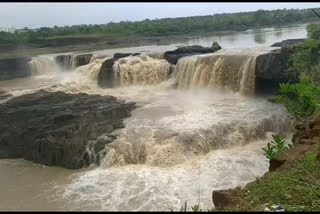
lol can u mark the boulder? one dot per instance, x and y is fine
(173, 56)
(14, 68)
(82, 59)
(222, 198)
(55, 128)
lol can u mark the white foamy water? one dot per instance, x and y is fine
(43, 64)
(143, 187)
(143, 70)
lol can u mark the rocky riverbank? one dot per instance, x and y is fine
(291, 183)
(59, 129)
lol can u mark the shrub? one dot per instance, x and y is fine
(313, 31)
(277, 145)
(302, 100)
(304, 56)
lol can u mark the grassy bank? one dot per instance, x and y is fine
(296, 188)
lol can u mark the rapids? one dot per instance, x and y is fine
(195, 131)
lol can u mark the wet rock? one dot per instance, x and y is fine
(65, 61)
(121, 55)
(4, 95)
(288, 42)
(173, 56)
(289, 156)
(105, 76)
(273, 66)
(54, 128)
(215, 46)
(222, 197)
(276, 162)
(14, 68)
(82, 59)
(272, 100)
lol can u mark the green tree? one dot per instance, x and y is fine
(302, 100)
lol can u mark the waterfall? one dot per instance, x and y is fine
(219, 70)
(140, 70)
(156, 55)
(92, 69)
(43, 64)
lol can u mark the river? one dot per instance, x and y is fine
(194, 139)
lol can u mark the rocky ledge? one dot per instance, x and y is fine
(14, 68)
(59, 129)
(174, 56)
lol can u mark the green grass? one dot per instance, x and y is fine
(296, 189)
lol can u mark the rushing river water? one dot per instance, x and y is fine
(179, 145)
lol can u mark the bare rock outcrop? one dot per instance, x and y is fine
(59, 129)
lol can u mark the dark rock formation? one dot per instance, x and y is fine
(14, 68)
(54, 128)
(82, 59)
(65, 61)
(215, 46)
(222, 198)
(121, 55)
(288, 42)
(4, 95)
(173, 56)
(272, 66)
(272, 69)
(105, 76)
(301, 146)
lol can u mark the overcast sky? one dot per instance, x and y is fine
(35, 15)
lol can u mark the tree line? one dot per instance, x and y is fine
(167, 26)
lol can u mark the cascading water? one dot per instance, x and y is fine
(156, 55)
(43, 64)
(92, 69)
(217, 70)
(179, 145)
(140, 70)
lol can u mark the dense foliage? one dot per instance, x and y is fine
(302, 100)
(166, 26)
(313, 30)
(305, 56)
